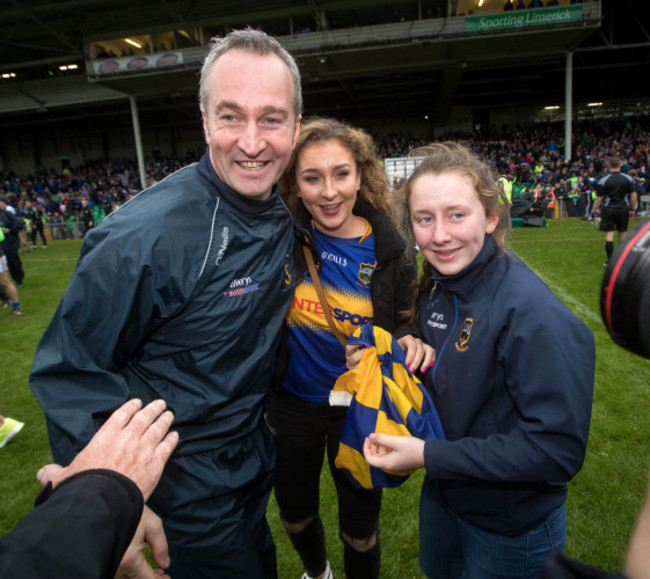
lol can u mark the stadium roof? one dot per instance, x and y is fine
(360, 59)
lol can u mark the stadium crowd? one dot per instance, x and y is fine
(531, 158)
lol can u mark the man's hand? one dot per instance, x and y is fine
(394, 453)
(134, 565)
(133, 441)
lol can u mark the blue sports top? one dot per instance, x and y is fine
(317, 358)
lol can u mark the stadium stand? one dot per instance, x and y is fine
(533, 157)
(73, 86)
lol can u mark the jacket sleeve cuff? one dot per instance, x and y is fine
(128, 486)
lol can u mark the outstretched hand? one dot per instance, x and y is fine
(134, 441)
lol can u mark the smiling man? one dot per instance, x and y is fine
(250, 127)
(180, 295)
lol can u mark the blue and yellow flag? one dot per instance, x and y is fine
(386, 398)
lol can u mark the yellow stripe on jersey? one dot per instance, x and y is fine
(349, 310)
(387, 398)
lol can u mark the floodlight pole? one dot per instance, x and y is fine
(568, 106)
(138, 141)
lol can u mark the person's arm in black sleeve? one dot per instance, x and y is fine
(405, 280)
(86, 515)
(81, 529)
(15, 224)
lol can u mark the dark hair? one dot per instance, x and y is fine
(614, 162)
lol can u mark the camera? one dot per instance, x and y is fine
(625, 292)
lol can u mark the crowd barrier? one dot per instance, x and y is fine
(63, 230)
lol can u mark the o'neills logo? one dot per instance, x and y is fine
(328, 256)
(223, 246)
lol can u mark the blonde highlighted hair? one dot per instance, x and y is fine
(321, 130)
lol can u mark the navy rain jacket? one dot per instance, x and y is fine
(513, 384)
(180, 294)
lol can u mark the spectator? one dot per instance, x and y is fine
(11, 226)
(9, 292)
(87, 219)
(338, 193)
(34, 213)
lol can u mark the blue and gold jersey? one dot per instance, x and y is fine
(317, 358)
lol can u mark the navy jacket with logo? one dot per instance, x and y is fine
(180, 294)
(513, 384)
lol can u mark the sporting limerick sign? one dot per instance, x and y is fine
(523, 19)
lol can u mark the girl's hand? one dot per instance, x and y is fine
(353, 356)
(394, 453)
(419, 355)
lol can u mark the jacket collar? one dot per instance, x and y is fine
(464, 282)
(231, 196)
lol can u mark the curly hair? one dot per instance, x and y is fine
(319, 130)
(457, 157)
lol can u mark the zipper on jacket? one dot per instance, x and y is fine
(444, 346)
(433, 290)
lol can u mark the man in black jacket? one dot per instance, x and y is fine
(35, 214)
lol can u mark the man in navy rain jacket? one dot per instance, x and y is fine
(180, 295)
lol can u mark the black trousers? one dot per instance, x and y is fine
(14, 264)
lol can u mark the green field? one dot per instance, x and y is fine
(603, 499)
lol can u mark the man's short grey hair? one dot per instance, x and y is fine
(254, 42)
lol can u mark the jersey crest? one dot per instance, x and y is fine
(365, 272)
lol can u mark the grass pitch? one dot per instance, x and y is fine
(604, 498)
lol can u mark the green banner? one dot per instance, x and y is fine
(523, 19)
